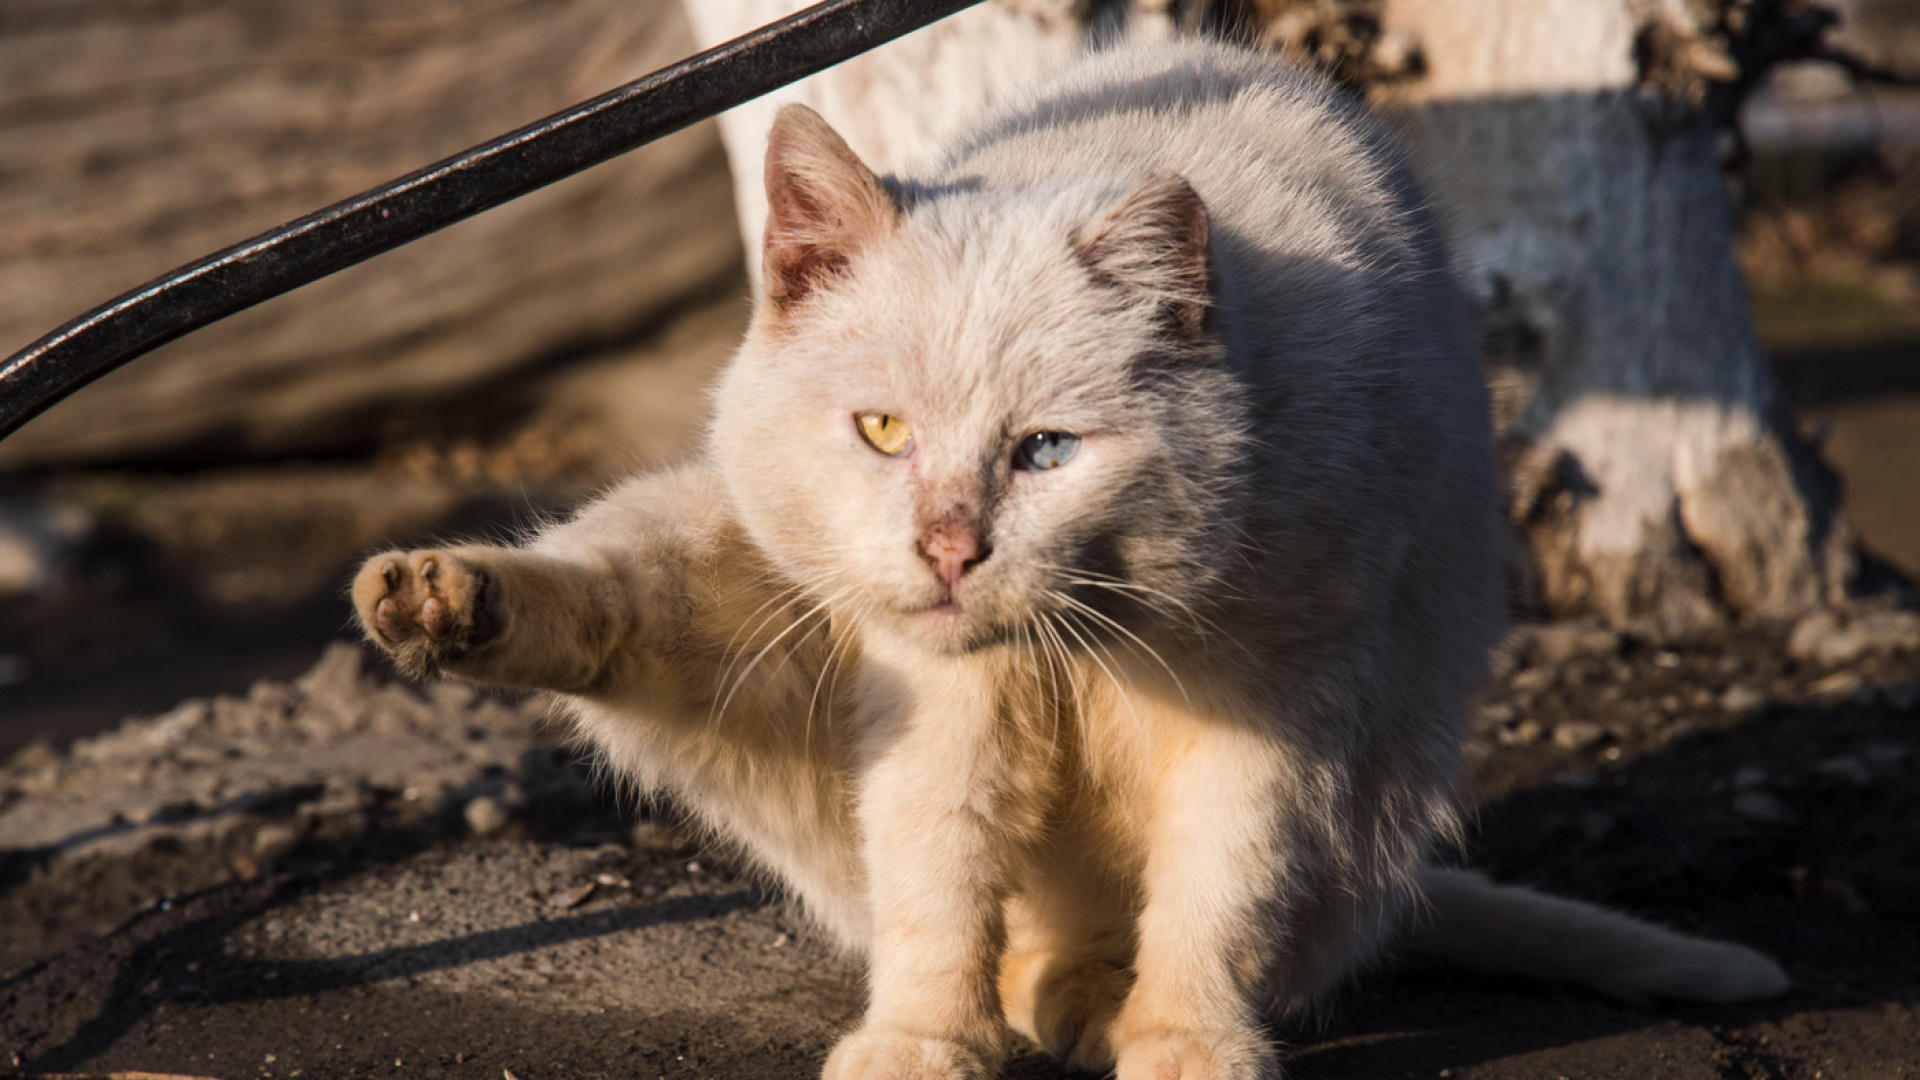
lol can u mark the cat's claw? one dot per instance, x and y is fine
(882, 1054)
(423, 607)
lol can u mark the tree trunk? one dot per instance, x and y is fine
(1655, 480)
(1655, 477)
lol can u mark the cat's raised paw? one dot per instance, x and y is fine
(883, 1054)
(423, 607)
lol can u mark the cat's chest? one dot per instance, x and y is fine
(1037, 722)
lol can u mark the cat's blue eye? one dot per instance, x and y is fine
(1045, 450)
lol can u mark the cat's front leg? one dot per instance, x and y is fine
(941, 811)
(1207, 933)
(495, 615)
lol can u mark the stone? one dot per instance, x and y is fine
(654, 836)
(1533, 680)
(1496, 714)
(1835, 639)
(485, 816)
(33, 757)
(1846, 768)
(1524, 733)
(274, 839)
(1683, 731)
(1554, 644)
(1887, 755)
(1578, 734)
(1743, 701)
(1762, 806)
(39, 543)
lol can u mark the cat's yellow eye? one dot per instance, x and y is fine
(887, 434)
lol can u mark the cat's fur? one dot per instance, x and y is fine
(1127, 753)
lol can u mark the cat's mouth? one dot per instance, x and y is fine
(944, 614)
(946, 619)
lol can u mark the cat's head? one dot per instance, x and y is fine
(964, 411)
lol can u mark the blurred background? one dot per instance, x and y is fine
(186, 525)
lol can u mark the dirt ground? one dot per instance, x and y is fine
(346, 875)
(284, 867)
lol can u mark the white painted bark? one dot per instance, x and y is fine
(1591, 227)
(1653, 481)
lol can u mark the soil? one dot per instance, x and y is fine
(349, 875)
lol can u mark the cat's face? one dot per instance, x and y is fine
(986, 418)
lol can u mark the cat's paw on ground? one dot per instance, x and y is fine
(882, 1054)
(423, 607)
(1196, 1055)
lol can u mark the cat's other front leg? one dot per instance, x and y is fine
(942, 811)
(1207, 940)
(1070, 943)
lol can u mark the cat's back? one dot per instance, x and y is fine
(1285, 161)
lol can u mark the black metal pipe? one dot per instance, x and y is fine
(451, 190)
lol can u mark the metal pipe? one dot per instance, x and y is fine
(451, 190)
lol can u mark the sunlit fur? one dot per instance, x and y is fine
(1169, 755)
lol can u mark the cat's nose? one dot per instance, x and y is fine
(952, 548)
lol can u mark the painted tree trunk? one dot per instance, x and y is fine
(1654, 476)
(1655, 482)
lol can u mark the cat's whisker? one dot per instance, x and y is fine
(733, 650)
(1045, 690)
(1042, 701)
(1153, 599)
(1083, 705)
(1109, 621)
(1174, 606)
(1059, 665)
(1094, 653)
(747, 671)
(835, 655)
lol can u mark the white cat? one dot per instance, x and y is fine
(1077, 602)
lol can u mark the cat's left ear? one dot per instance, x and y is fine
(1154, 240)
(823, 206)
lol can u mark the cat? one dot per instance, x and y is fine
(1078, 598)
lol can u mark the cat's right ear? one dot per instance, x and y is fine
(1155, 242)
(823, 205)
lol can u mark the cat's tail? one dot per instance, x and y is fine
(1476, 924)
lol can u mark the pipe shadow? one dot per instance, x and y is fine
(146, 980)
